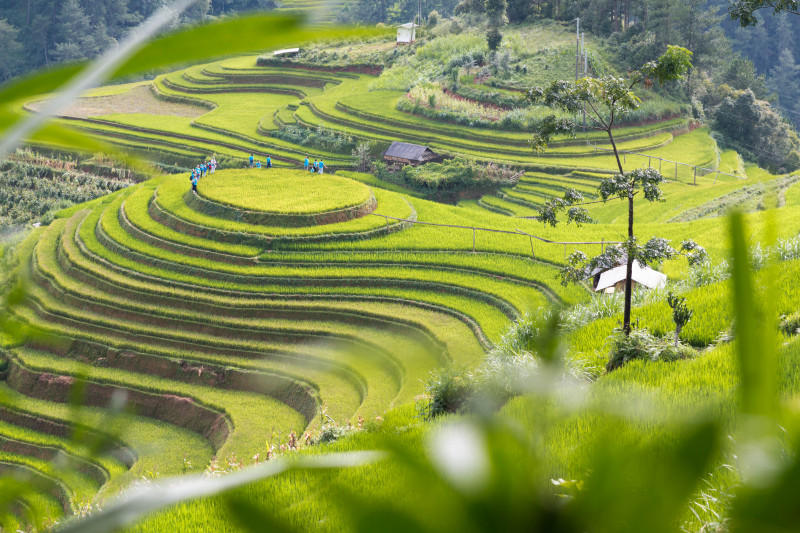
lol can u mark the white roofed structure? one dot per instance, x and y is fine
(287, 52)
(613, 280)
(407, 33)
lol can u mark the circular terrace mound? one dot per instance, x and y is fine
(281, 197)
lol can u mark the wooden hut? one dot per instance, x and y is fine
(401, 154)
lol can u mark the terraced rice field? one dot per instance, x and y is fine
(274, 300)
(218, 339)
(233, 126)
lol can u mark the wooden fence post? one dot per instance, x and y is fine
(649, 161)
(473, 240)
(533, 255)
(695, 175)
(676, 171)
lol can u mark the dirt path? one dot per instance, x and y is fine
(138, 100)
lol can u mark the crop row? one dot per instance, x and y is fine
(188, 326)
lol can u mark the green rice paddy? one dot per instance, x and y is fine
(276, 300)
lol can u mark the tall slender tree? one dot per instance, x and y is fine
(784, 79)
(606, 99)
(10, 51)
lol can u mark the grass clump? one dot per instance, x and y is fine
(641, 344)
(448, 390)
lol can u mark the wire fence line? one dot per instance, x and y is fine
(650, 158)
(475, 229)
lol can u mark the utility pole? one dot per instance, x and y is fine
(578, 50)
(585, 74)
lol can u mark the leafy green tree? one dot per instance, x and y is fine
(495, 12)
(755, 130)
(10, 51)
(740, 73)
(605, 99)
(519, 10)
(745, 10)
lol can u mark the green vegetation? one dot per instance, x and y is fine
(280, 314)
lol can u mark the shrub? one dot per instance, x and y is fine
(363, 157)
(448, 390)
(641, 344)
(3, 363)
(433, 18)
(321, 137)
(790, 324)
(449, 176)
(332, 432)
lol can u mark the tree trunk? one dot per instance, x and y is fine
(645, 16)
(616, 152)
(626, 324)
(677, 334)
(627, 14)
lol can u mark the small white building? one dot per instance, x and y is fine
(288, 52)
(407, 33)
(613, 280)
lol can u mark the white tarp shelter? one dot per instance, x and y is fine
(614, 280)
(407, 33)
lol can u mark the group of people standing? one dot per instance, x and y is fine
(201, 170)
(318, 166)
(208, 167)
(257, 164)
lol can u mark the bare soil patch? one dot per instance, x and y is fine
(138, 100)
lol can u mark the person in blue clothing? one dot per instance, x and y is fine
(315, 168)
(194, 184)
(258, 164)
(321, 166)
(251, 160)
(305, 164)
(269, 162)
(191, 178)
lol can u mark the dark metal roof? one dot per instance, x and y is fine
(412, 152)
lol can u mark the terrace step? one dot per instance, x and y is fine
(317, 200)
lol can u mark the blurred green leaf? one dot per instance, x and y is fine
(756, 354)
(634, 489)
(772, 508)
(254, 33)
(253, 519)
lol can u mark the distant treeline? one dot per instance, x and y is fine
(37, 33)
